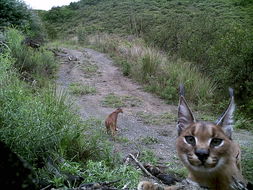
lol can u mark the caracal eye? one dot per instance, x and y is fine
(190, 140)
(215, 142)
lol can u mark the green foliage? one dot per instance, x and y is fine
(59, 14)
(147, 156)
(99, 171)
(150, 63)
(30, 63)
(81, 35)
(242, 122)
(96, 145)
(14, 12)
(159, 73)
(247, 163)
(33, 126)
(243, 2)
(126, 68)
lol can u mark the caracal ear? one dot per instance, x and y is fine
(185, 116)
(226, 119)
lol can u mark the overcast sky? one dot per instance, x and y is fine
(47, 4)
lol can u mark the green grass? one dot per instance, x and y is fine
(89, 69)
(243, 122)
(98, 171)
(112, 100)
(148, 156)
(247, 163)
(149, 140)
(34, 125)
(115, 101)
(81, 89)
(160, 119)
(122, 139)
(131, 101)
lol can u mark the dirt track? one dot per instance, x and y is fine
(137, 133)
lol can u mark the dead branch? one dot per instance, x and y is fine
(142, 167)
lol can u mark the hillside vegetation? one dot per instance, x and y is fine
(214, 35)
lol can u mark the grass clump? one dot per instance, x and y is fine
(149, 140)
(80, 89)
(99, 171)
(247, 163)
(148, 156)
(112, 100)
(161, 119)
(89, 69)
(115, 101)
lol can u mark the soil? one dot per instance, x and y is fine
(135, 132)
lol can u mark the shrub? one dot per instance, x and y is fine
(30, 63)
(126, 68)
(150, 64)
(81, 35)
(14, 12)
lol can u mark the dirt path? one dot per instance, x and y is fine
(147, 122)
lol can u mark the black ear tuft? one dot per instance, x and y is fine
(181, 90)
(226, 119)
(185, 116)
(231, 92)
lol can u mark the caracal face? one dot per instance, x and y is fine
(203, 146)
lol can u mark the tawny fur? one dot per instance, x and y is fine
(111, 122)
(223, 163)
(216, 166)
(207, 149)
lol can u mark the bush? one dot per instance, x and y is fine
(14, 12)
(32, 64)
(126, 68)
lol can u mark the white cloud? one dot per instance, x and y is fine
(47, 4)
